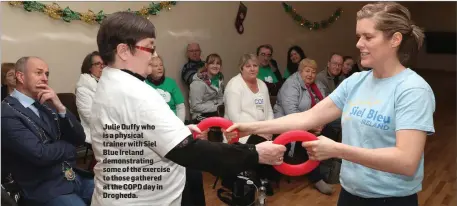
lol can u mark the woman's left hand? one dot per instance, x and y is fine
(321, 149)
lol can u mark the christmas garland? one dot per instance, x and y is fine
(312, 25)
(55, 11)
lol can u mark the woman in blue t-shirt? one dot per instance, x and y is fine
(386, 114)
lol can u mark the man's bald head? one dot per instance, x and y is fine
(193, 45)
(194, 51)
(24, 62)
(30, 72)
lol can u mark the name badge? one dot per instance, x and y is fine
(259, 102)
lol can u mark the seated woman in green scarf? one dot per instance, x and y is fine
(166, 87)
(207, 89)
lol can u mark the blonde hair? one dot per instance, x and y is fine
(307, 62)
(244, 60)
(6, 67)
(157, 57)
(391, 17)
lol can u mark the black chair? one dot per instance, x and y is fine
(69, 101)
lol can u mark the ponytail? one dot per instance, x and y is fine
(418, 35)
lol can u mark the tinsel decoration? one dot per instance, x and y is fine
(56, 12)
(52, 11)
(309, 24)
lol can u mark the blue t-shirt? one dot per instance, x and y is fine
(373, 110)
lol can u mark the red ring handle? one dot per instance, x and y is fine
(300, 169)
(216, 122)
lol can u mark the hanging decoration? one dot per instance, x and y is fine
(56, 12)
(309, 24)
(240, 16)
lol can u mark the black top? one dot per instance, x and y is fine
(4, 92)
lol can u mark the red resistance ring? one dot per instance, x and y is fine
(300, 169)
(216, 122)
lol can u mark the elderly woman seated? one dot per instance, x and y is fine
(299, 93)
(247, 100)
(166, 87)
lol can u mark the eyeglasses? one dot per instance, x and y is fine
(98, 64)
(336, 64)
(150, 50)
(265, 54)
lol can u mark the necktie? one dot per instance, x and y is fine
(41, 111)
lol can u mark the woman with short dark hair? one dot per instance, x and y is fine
(91, 70)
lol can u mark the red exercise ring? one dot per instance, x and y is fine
(216, 122)
(300, 169)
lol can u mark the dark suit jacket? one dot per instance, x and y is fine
(35, 152)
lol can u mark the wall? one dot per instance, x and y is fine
(64, 45)
(437, 17)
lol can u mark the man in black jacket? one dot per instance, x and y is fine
(39, 137)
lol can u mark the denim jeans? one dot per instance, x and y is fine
(348, 199)
(82, 195)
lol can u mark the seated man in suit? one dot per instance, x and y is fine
(39, 137)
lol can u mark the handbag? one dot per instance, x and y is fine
(238, 192)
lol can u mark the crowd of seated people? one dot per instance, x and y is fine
(246, 97)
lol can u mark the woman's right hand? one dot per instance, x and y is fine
(243, 129)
